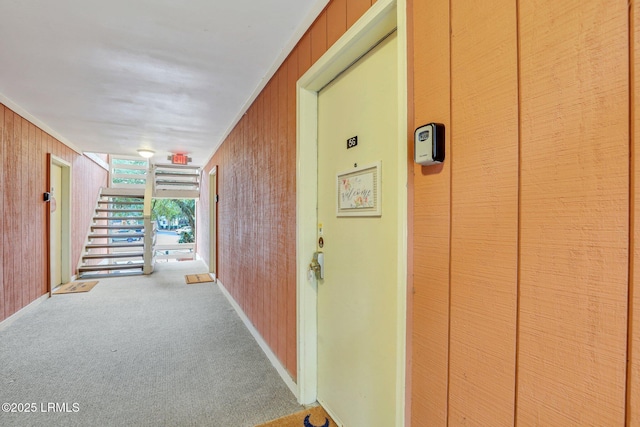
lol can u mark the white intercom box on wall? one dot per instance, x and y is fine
(429, 144)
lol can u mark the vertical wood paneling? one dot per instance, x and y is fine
(252, 189)
(574, 212)
(9, 180)
(250, 282)
(319, 37)
(14, 226)
(290, 251)
(272, 256)
(355, 9)
(47, 147)
(23, 206)
(41, 167)
(50, 145)
(250, 220)
(285, 265)
(24, 212)
(240, 233)
(234, 237)
(633, 373)
(260, 183)
(484, 213)
(33, 218)
(304, 54)
(55, 148)
(256, 187)
(336, 20)
(431, 225)
(2, 192)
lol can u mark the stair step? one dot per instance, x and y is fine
(110, 267)
(139, 244)
(118, 227)
(111, 202)
(114, 255)
(118, 218)
(172, 182)
(175, 167)
(122, 192)
(123, 236)
(89, 275)
(119, 210)
(178, 174)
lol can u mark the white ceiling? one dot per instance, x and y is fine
(117, 75)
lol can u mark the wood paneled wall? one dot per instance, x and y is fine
(257, 199)
(633, 375)
(3, 150)
(484, 212)
(520, 314)
(429, 299)
(23, 240)
(574, 248)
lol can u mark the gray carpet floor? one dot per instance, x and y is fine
(138, 351)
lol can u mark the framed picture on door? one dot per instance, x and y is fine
(359, 191)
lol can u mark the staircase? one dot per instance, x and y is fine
(176, 181)
(115, 242)
(121, 239)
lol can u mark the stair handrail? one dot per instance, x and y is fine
(149, 226)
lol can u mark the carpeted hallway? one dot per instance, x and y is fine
(138, 351)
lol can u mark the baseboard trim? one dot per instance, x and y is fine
(24, 310)
(261, 342)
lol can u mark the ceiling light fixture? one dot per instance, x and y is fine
(146, 153)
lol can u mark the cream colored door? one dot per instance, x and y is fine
(357, 299)
(56, 225)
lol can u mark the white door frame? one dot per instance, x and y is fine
(63, 203)
(375, 24)
(213, 231)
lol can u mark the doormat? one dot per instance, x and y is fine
(198, 278)
(73, 287)
(312, 417)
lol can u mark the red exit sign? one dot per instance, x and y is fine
(179, 159)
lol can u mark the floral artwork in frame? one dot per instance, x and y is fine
(358, 191)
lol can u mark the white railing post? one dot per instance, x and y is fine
(149, 226)
(110, 181)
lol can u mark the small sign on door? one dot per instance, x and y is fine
(359, 191)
